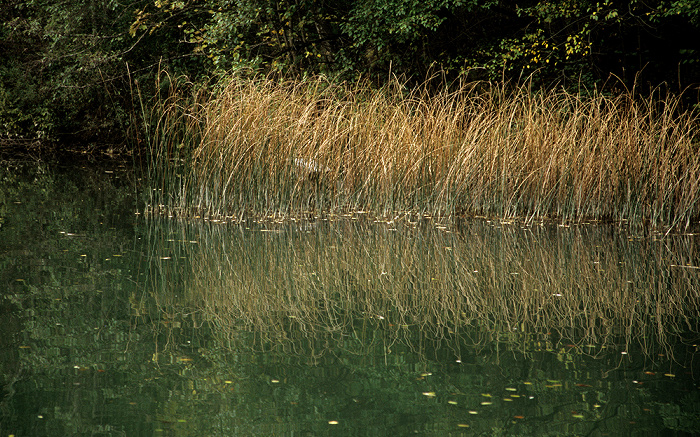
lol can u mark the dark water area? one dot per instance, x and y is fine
(112, 323)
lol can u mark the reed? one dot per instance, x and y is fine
(262, 146)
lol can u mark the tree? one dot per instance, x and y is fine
(563, 40)
(66, 76)
(69, 67)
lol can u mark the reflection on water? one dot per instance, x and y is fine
(115, 325)
(483, 280)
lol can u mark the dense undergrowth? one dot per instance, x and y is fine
(264, 146)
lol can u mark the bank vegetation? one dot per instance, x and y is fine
(272, 147)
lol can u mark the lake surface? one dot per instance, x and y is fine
(113, 323)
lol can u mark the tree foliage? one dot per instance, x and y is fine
(64, 73)
(64, 66)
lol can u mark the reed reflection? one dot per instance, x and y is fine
(346, 282)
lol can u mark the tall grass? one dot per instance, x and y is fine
(478, 149)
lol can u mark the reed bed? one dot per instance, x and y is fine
(254, 147)
(354, 284)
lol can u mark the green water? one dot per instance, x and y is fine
(118, 324)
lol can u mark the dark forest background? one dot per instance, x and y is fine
(68, 69)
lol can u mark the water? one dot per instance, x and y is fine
(118, 324)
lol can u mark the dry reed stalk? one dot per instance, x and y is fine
(482, 149)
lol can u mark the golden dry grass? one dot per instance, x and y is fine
(475, 149)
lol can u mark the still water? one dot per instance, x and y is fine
(113, 323)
